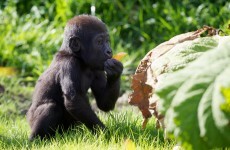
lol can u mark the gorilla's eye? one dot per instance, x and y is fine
(99, 41)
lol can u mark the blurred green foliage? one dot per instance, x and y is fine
(31, 31)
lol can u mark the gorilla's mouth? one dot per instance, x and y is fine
(105, 60)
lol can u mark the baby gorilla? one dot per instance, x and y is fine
(84, 61)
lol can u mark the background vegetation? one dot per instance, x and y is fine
(31, 33)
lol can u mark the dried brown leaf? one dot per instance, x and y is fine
(141, 90)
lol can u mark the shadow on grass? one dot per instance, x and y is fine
(13, 142)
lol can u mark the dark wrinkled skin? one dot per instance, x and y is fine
(84, 61)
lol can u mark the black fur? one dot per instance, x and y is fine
(84, 61)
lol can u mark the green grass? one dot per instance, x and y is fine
(14, 131)
(123, 123)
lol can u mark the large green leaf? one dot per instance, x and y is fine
(183, 53)
(192, 99)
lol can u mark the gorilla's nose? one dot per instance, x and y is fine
(109, 53)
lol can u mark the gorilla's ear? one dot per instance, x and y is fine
(74, 44)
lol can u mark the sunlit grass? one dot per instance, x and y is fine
(122, 126)
(124, 123)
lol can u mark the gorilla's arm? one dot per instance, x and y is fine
(76, 102)
(106, 87)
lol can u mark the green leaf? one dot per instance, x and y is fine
(226, 106)
(194, 102)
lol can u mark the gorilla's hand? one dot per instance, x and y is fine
(113, 69)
